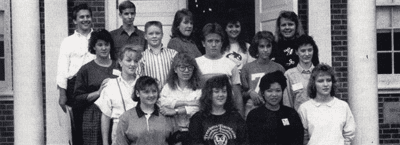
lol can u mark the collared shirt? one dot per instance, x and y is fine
(74, 53)
(222, 66)
(121, 38)
(297, 81)
(170, 96)
(184, 46)
(158, 65)
(134, 128)
(329, 123)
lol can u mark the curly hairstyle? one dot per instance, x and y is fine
(304, 40)
(318, 70)
(232, 18)
(179, 59)
(104, 35)
(179, 17)
(218, 82)
(290, 15)
(253, 50)
(77, 8)
(141, 84)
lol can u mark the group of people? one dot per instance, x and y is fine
(124, 87)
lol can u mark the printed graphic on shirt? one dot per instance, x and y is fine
(220, 134)
(235, 57)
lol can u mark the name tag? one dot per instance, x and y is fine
(297, 86)
(116, 72)
(285, 122)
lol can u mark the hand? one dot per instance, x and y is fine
(167, 111)
(257, 99)
(61, 101)
(103, 85)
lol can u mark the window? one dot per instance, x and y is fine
(388, 44)
(5, 50)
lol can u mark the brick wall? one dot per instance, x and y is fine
(339, 45)
(303, 14)
(6, 123)
(388, 133)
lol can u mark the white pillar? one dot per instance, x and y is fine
(27, 73)
(319, 25)
(362, 67)
(58, 128)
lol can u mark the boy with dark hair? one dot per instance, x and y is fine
(128, 33)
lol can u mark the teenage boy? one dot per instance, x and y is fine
(128, 33)
(73, 54)
(156, 59)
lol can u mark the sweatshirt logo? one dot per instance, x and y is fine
(220, 134)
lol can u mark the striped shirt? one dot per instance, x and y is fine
(157, 65)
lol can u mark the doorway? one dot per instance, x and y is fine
(209, 11)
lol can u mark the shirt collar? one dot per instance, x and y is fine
(140, 112)
(151, 50)
(80, 35)
(305, 71)
(122, 31)
(126, 83)
(329, 104)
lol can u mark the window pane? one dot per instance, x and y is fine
(383, 17)
(397, 63)
(2, 71)
(384, 63)
(384, 40)
(396, 39)
(1, 49)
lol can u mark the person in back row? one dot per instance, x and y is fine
(182, 34)
(74, 54)
(213, 63)
(156, 59)
(128, 33)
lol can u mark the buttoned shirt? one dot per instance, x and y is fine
(157, 65)
(330, 123)
(122, 38)
(297, 80)
(74, 53)
(170, 96)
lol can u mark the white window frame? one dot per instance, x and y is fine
(6, 89)
(388, 83)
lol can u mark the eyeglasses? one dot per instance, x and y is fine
(182, 68)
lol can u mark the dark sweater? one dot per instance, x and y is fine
(266, 127)
(228, 129)
(284, 54)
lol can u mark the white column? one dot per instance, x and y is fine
(362, 67)
(27, 73)
(58, 128)
(319, 25)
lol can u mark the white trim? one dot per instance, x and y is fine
(6, 88)
(319, 25)
(111, 14)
